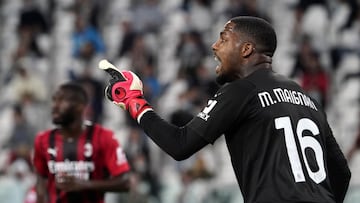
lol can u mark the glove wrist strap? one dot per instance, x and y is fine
(147, 109)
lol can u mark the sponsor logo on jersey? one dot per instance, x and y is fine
(51, 151)
(204, 114)
(78, 169)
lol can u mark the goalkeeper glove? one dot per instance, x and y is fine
(125, 89)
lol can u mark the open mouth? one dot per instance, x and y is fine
(218, 67)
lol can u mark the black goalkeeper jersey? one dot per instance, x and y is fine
(281, 147)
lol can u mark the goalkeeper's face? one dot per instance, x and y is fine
(64, 108)
(227, 53)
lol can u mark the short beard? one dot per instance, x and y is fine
(65, 119)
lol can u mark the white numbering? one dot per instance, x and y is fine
(305, 142)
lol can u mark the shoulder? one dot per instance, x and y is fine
(42, 135)
(102, 130)
(42, 139)
(237, 89)
(102, 134)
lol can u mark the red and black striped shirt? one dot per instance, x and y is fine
(95, 155)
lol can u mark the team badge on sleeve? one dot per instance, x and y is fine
(204, 114)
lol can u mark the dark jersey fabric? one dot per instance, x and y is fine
(281, 147)
(98, 158)
(260, 154)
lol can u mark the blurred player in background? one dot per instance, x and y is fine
(281, 146)
(77, 161)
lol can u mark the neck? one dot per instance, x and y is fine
(72, 130)
(259, 61)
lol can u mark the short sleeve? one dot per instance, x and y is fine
(115, 158)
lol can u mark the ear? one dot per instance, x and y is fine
(247, 49)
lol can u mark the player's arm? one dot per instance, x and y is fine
(120, 183)
(339, 172)
(179, 142)
(126, 91)
(116, 164)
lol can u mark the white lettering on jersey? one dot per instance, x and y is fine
(79, 169)
(285, 96)
(265, 99)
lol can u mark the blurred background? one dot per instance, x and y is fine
(44, 43)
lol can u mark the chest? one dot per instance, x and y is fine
(78, 157)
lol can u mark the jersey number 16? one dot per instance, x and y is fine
(305, 142)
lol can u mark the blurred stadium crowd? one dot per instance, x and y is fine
(44, 43)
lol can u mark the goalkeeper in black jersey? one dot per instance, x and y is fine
(280, 143)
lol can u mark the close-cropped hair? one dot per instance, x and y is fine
(77, 92)
(259, 30)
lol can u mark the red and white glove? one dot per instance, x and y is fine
(125, 89)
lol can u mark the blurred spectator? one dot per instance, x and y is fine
(95, 91)
(315, 80)
(194, 180)
(128, 38)
(353, 15)
(305, 49)
(344, 30)
(29, 91)
(199, 15)
(190, 51)
(15, 182)
(148, 17)
(310, 72)
(152, 86)
(355, 147)
(243, 8)
(28, 45)
(137, 152)
(32, 23)
(140, 55)
(205, 82)
(22, 136)
(311, 18)
(9, 190)
(91, 10)
(171, 97)
(86, 37)
(31, 17)
(27, 86)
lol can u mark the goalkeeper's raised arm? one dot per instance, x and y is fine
(125, 89)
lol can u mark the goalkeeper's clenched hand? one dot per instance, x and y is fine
(125, 89)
